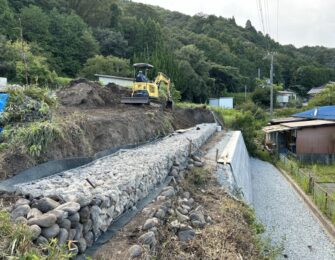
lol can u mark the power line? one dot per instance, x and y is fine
(261, 14)
(277, 20)
(268, 15)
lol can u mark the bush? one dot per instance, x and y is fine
(28, 104)
(109, 65)
(33, 138)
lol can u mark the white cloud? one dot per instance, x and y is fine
(301, 22)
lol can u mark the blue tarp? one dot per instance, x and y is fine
(325, 113)
(3, 103)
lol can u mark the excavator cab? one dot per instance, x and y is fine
(144, 90)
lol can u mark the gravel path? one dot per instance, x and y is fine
(287, 218)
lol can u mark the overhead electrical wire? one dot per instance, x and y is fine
(268, 16)
(261, 15)
(277, 20)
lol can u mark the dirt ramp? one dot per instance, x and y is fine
(89, 94)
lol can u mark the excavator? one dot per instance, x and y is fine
(143, 90)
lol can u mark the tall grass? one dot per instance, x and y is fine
(33, 138)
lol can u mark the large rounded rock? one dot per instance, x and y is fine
(181, 217)
(21, 201)
(87, 226)
(84, 214)
(70, 207)
(186, 234)
(89, 238)
(35, 231)
(79, 232)
(148, 239)
(34, 213)
(21, 220)
(74, 219)
(41, 240)
(82, 245)
(46, 204)
(20, 211)
(45, 220)
(150, 223)
(135, 251)
(160, 214)
(168, 192)
(72, 234)
(197, 216)
(66, 223)
(62, 236)
(60, 214)
(50, 232)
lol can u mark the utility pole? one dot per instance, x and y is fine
(259, 73)
(23, 53)
(271, 86)
(245, 92)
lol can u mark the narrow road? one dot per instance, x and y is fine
(286, 217)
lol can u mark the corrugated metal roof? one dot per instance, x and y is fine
(275, 128)
(287, 119)
(113, 77)
(317, 90)
(325, 112)
(310, 123)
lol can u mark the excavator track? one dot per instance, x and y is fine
(135, 100)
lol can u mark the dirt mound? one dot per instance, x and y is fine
(89, 94)
(188, 117)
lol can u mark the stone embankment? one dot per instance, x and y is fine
(80, 204)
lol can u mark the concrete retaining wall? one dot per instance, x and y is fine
(236, 158)
(81, 203)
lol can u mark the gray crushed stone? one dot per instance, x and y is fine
(286, 217)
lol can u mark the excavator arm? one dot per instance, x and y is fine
(161, 77)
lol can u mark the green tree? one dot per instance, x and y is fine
(111, 42)
(109, 65)
(71, 44)
(195, 82)
(324, 98)
(7, 22)
(35, 25)
(28, 64)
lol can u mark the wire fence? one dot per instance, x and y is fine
(322, 197)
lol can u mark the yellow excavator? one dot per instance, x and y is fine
(143, 90)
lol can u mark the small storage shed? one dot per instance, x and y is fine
(225, 102)
(311, 137)
(121, 81)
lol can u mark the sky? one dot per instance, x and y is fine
(300, 22)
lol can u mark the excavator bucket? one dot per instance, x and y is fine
(135, 100)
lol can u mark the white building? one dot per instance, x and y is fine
(283, 97)
(225, 102)
(3, 84)
(121, 81)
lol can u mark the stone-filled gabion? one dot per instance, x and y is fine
(81, 203)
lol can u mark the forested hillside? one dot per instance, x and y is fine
(43, 41)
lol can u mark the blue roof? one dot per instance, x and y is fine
(325, 112)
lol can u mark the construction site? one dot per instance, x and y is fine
(153, 129)
(145, 181)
